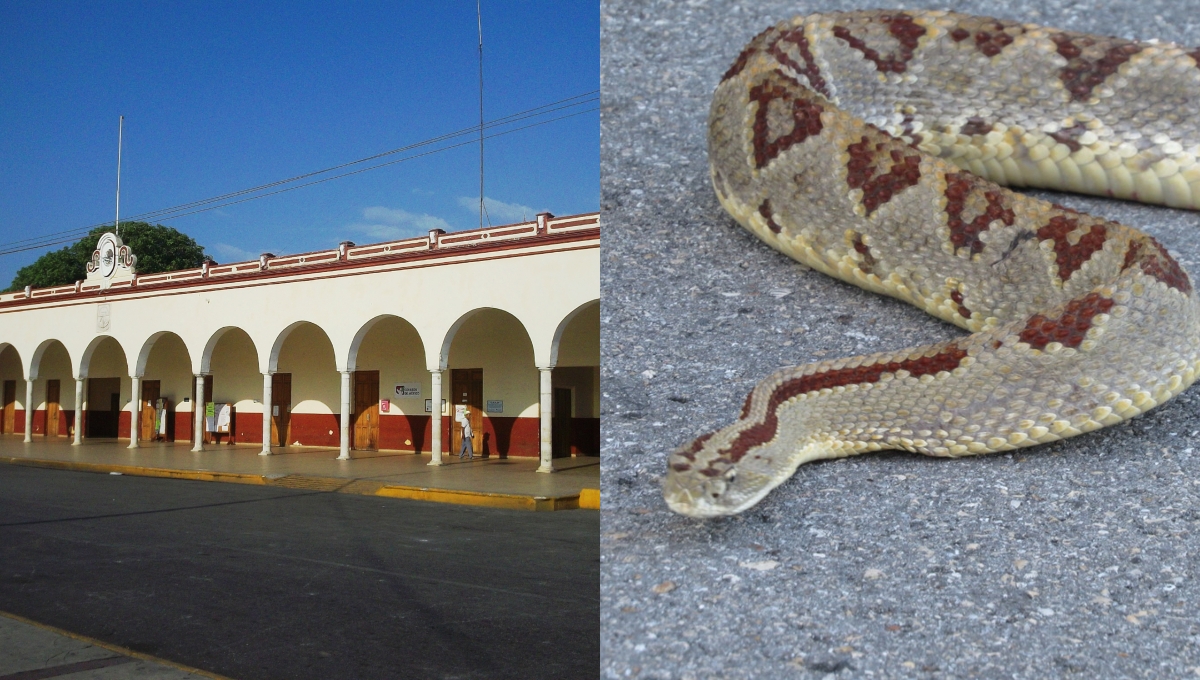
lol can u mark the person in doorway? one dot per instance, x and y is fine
(466, 449)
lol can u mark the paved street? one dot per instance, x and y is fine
(262, 582)
(1072, 558)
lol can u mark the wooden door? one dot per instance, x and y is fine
(560, 423)
(53, 393)
(208, 397)
(281, 403)
(10, 407)
(466, 387)
(150, 393)
(366, 410)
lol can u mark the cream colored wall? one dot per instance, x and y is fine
(580, 342)
(496, 342)
(394, 348)
(108, 361)
(10, 369)
(56, 365)
(170, 364)
(236, 379)
(308, 355)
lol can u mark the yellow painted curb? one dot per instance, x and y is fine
(481, 498)
(589, 499)
(113, 648)
(139, 471)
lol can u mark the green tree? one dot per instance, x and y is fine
(158, 249)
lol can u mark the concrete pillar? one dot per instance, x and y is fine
(136, 414)
(435, 440)
(344, 454)
(28, 410)
(545, 404)
(266, 401)
(198, 416)
(78, 439)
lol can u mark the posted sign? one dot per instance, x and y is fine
(408, 389)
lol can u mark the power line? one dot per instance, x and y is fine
(215, 202)
(69, 235)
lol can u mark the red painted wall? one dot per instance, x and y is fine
(123, 421)
(311, 429)
(39, 422)
(183, 426)
(18, 421)
(502, 437)
(247, 428)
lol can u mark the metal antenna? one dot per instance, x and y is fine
(120, 134)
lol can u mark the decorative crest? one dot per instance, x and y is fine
(112, 261)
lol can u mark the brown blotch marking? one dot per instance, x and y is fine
(989, 36)
(1195, 55)
(697, 444)
(746, 406)
(867, 261)
(879, 187)
(959, 186)
(1090, 61)
(1157, 263)
(810, 69)
(1068, 136)
(946, 360)
(977, 126)
(997, 344)
(681, 467)
(902, 27)
(806, 116)
(1070, 258)
(764, 209)
(747, 52)
(960, 34)
(957, 297)
(1070, 327)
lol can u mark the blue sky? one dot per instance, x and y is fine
(219, 97)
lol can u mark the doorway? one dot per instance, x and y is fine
(366, 410)
(103, 393)
(10, 407)
(466, 389)
(53, 393)
(147, 431)
(281, 404)
(560, 423)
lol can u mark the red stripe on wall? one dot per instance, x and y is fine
(313, 429)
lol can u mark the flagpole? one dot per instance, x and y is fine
(120, 134)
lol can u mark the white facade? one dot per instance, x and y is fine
(520, 303)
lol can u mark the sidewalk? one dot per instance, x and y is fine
(494, 482)
(30, 650)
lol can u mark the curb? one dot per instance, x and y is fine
(335, 485)
(110, 647)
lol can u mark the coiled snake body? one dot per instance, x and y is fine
(869, 145)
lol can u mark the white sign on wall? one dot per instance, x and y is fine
(408, 389)
(495, 406)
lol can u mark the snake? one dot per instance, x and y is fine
(877, 147)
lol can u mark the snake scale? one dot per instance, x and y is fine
(871, 146)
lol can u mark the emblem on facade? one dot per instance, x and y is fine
(112, 261)
(103, 319)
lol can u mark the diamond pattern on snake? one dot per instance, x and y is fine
(876, 147)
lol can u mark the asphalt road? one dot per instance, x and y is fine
(253, 582)
(1073, 559)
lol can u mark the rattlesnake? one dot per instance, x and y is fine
(858, 143)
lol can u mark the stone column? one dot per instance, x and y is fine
(435, 439)
(28, 410)
(266, 401)
(78, 439)
(344, 454)
(135, 416)
(545, 404)
(198, 415)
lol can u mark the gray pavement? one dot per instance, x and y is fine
(256, 582)
(493, 475)
(29, 651)
(1075, 559)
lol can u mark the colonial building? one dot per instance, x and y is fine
(361, 347)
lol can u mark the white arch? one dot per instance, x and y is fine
(148, 346)
(35, 362)
(356, 343)
(277, 346)
(562, 326)
(86, 359)
(443, 355)
(6, 345)
(206, 356)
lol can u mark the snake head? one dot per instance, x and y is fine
(704, 480)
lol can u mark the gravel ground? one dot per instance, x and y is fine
(1074, 559)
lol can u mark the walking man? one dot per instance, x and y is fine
(467, 449)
